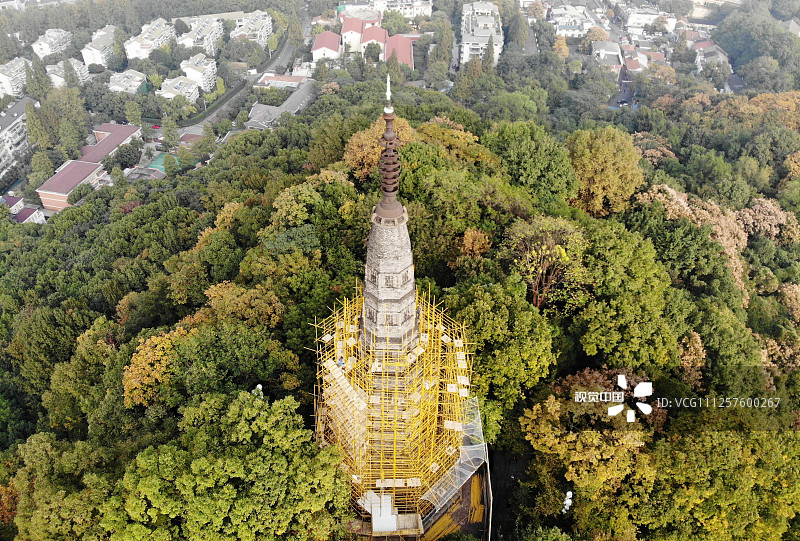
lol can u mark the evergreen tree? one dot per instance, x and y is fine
(37, 135)
(39, 84)
(170, 132)
(70, 75)
(488, 57)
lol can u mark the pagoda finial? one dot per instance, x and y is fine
(389, 163)
(388, 109)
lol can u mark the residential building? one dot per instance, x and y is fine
(791, 26)
(402, 47)
(351, 34)
(255, 26)
(109, 138)
(709, 52)
(100, 49)
(53, 41)
(55, 191)
(14, 204)
(152, 36)
(271, 80)
(13, 77)
(374, 34)
(12, 4)
(205, 33)
(56, 72)
(409, 8)
(326, 45)
(88, 170)
(370, 15)
(266, 116)
(571, 21)
(29, 215)
(480, 23)
(13, 134)
(129, 81)
(608, 54)
(304, 69)
(201, 70)
(179, 86)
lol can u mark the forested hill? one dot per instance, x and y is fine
(575, 244)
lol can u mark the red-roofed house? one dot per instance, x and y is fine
(29, 215)
(703, 44)
(402, 47)
(655, 56)
(351, 33)
(374, 34)
(109, 138)
(14, 204)
(327, 45)
(632, 65)
(69, 176)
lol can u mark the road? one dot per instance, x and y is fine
(532, 45)
(281, 57)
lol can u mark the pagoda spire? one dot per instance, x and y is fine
(389, 163)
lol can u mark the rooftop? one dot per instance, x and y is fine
(13, 112)
(23, 215)
(109, 137)
(68, 177)
(327, 40)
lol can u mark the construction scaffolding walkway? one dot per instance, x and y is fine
(403, 416)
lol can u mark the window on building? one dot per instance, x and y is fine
(389, 281)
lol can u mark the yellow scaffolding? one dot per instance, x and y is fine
(398, 417)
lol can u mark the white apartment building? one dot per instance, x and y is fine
(56, 72)
(255, 26)
(201, 70)
(13, 77)
(179, 86)
(100, 49)
(480, 23)
(128, 81)
(409, 8)
(13, 134)
(153, 35)
(54, 40)
(12, 4)
(205, 33)
(571, 21)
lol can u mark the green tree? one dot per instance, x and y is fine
(169, 129)
(70, 75)
(133, 113)
(394, 23)
(70, 137)
(42, 169)
(607, 165)
(295, 32)
(185, 158)
(180, 27)
(488, 57)
(37, 135)
(513, 343)
(38, 82)
(631, 316)
(534, 159)
(170, 165)
(235, 455)
(372, 52)
(726, 496)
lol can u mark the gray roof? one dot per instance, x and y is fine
(13, 112)
(265, 116)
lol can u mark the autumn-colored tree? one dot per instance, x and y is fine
(603, 459)
(257, 306)
(152, 367)
(536, 9)
(595, 33)
(548, 253)
(363, 150)
(607, 165)
(560, 47)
